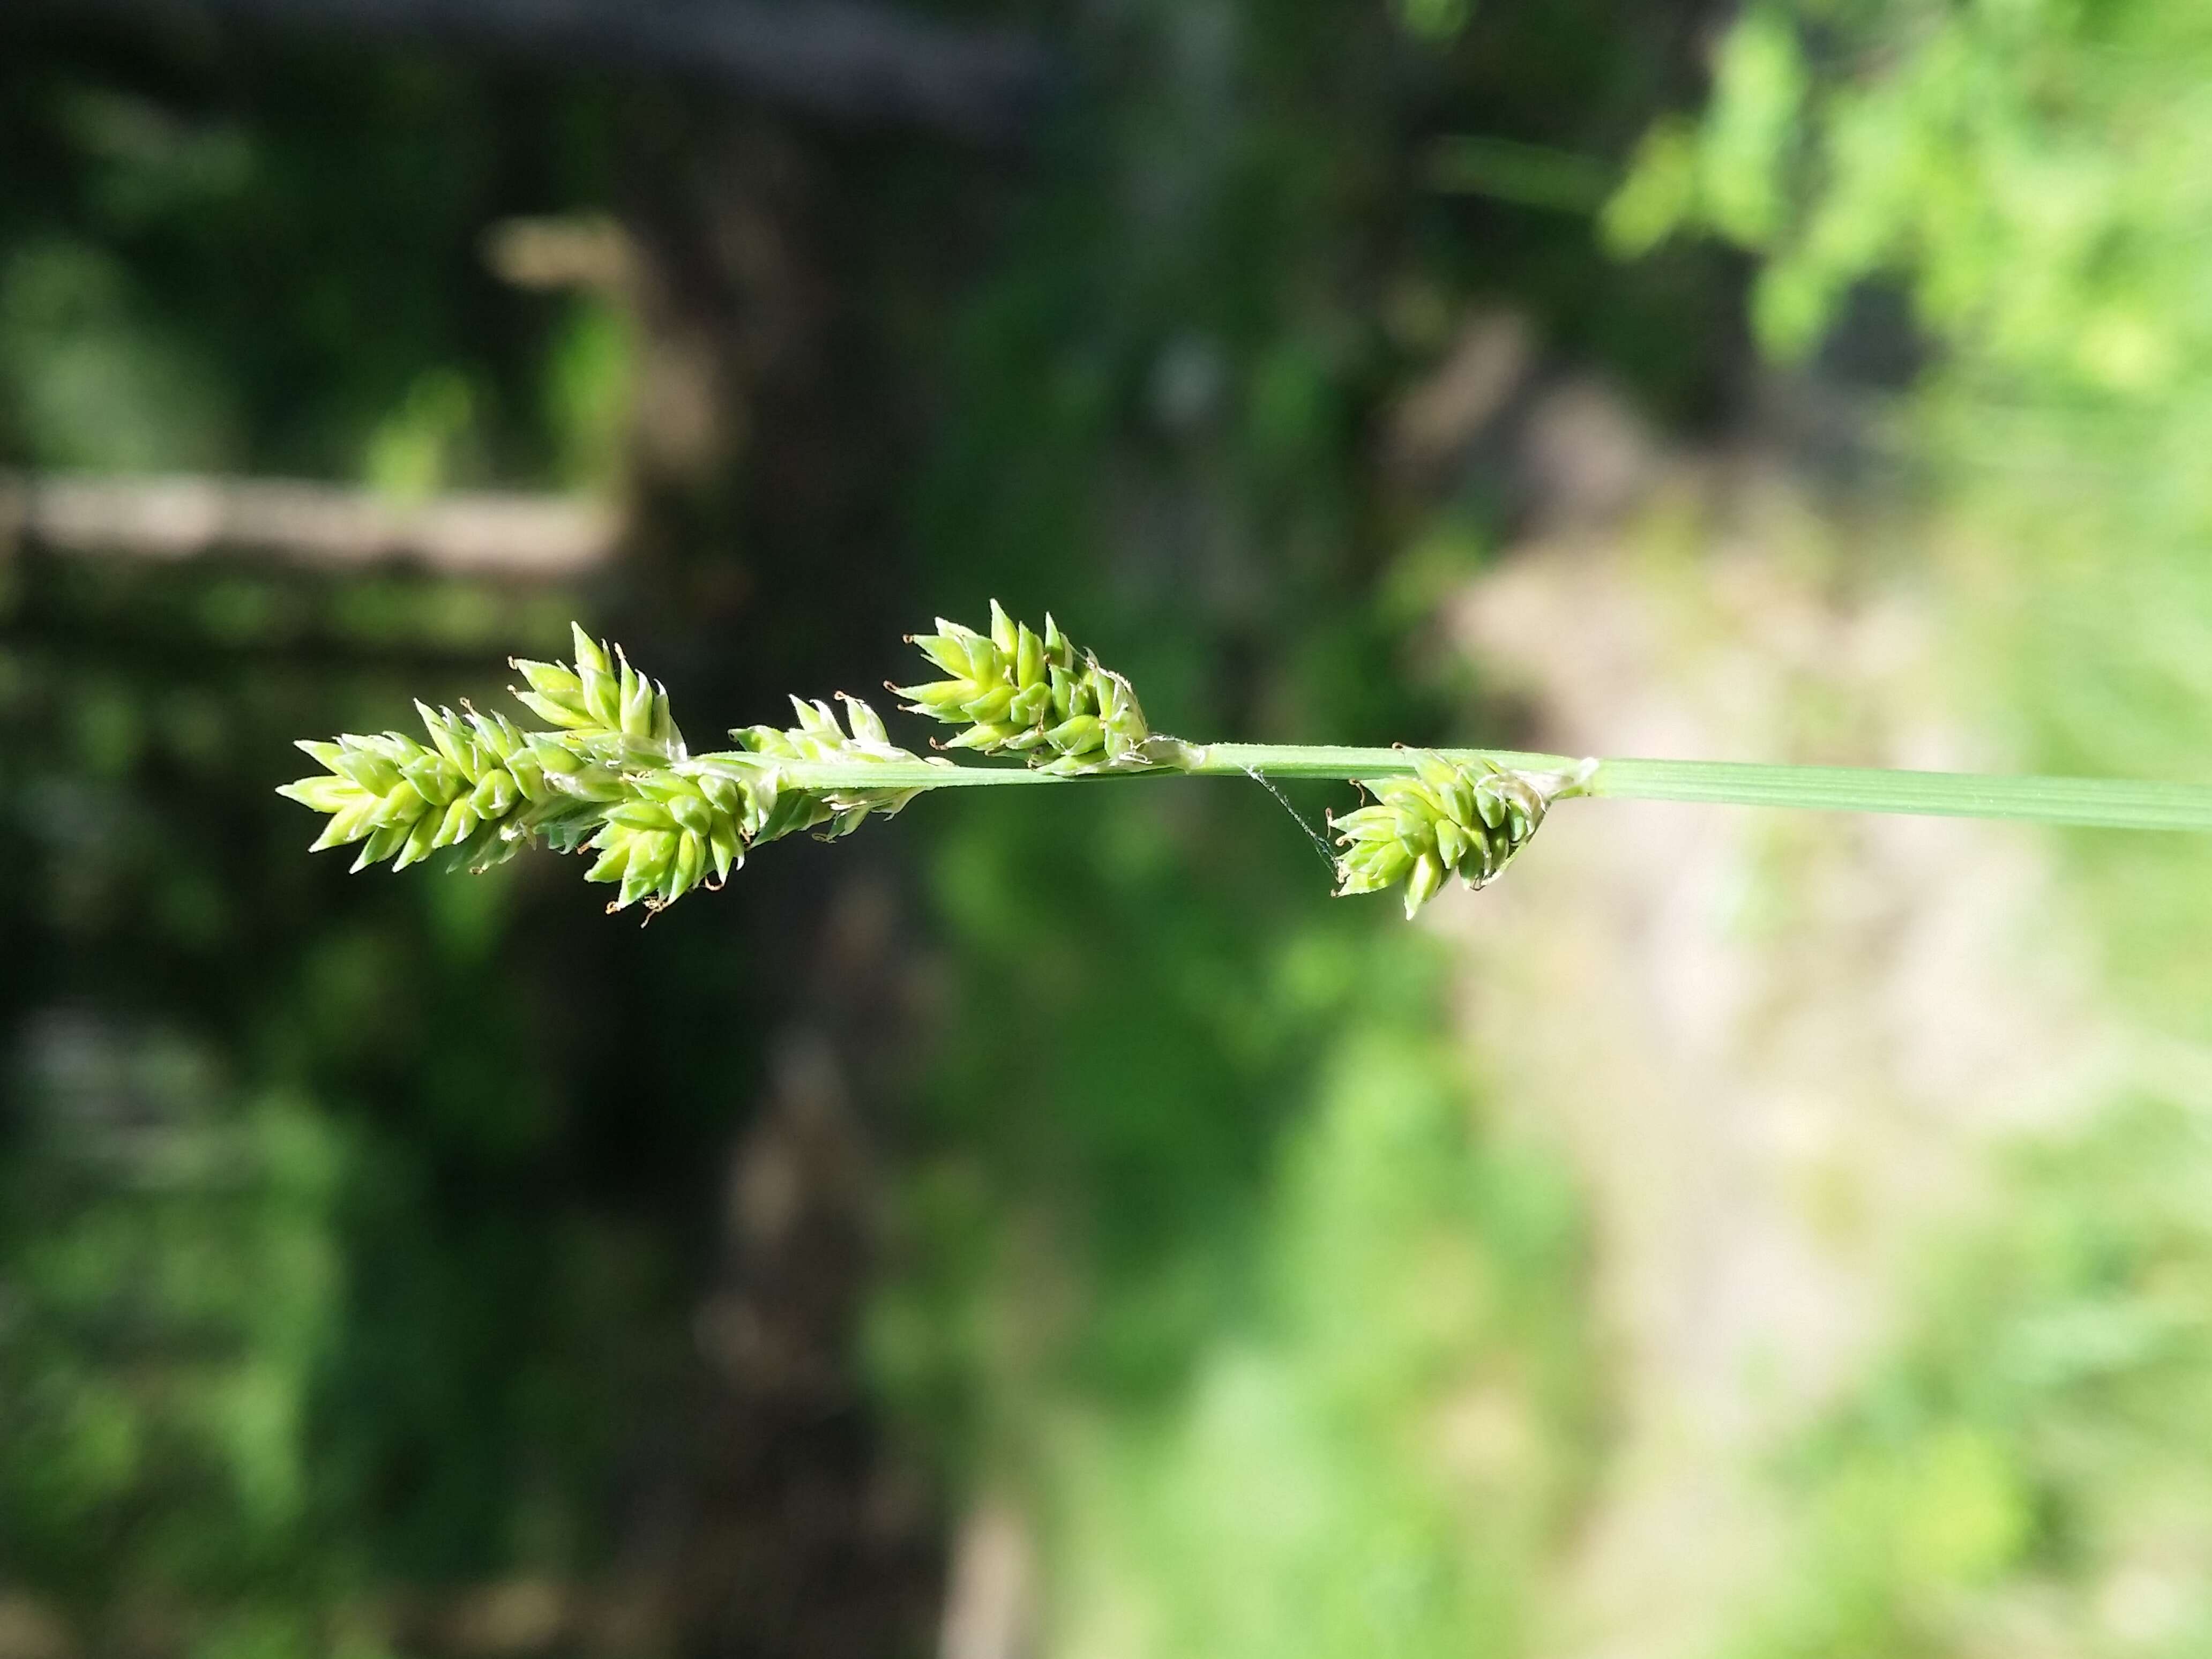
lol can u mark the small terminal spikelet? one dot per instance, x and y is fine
(1468, 818)
(1020, 692)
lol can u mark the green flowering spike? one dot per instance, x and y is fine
(667, 832)
(1467, 819)
(483, 788)
(404, 802)
(612, 776)
(601, 701)
(657, 831)
(1017, 691)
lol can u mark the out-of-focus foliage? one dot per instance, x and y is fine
(203, 265)
(2029, 168)
(1385, 1441)
(306, 1242)
(2035, 176)
(173, 1269)
(350, 1231)
(320, 1273)
(2036, 1463)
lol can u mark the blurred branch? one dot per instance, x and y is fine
(31, 1629)
(988, 1611)
(845, 60)
(325, 527)
(546, 253)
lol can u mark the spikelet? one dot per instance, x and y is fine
(477, 791)
(1468, 818)
(612, 779)
(601, 705)
(483, 788)
(1021, 692)
(676, 830)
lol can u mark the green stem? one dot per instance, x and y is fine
(1299, 760)
(867, 775)
(2105, 803)
(2102, 803)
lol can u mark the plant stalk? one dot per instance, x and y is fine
(2099, 803)
(2103, 803)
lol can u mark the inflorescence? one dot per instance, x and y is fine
(610, 777)
(1467, 819)
(1022, 693)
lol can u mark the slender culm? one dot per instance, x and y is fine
(611, 777)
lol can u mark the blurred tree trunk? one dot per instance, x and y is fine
(767, 469)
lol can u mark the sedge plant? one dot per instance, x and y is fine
(608, 775)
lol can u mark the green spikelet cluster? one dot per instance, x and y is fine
(612, 779)
(478, 791)
(601, 704)
(1030, 694)
(666, 835)
(676, 827)
(1468, 819)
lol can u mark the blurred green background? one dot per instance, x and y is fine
(1054, 1227)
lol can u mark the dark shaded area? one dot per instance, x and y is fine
(841, 60)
